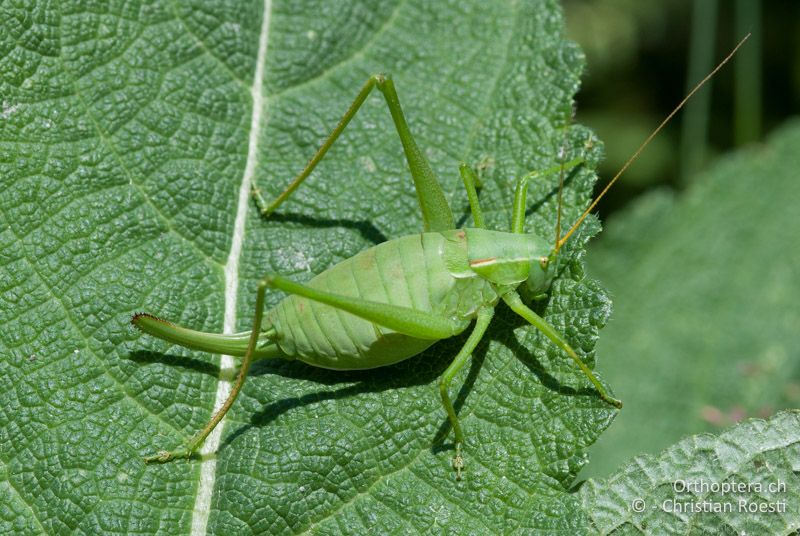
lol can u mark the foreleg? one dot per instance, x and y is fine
(515, 303)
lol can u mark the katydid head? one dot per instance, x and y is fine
(512, 259)
(540, 278)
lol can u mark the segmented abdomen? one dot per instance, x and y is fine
(408, 271)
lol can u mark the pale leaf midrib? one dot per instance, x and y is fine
(205, 488)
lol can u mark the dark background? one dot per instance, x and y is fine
(643, 57)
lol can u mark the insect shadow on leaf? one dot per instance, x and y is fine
(365, 228)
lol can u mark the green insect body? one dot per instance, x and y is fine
(394, 300)
(452, 274)
(428, 272)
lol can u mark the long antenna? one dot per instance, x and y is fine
(560, 193)
(645, 143)
(561, 156)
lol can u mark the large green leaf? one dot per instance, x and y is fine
(706, 316)
(744, 481)
(129, 133)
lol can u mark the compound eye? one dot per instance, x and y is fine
(543, 262)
